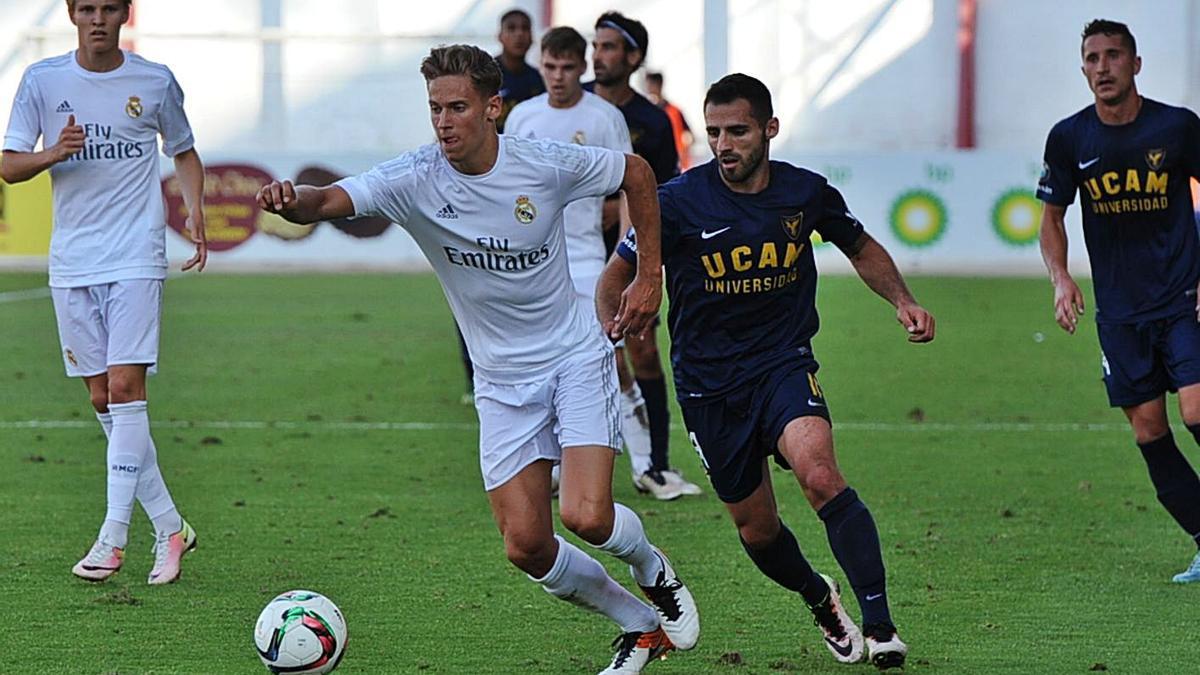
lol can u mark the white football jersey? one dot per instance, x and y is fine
(108, 204)
(591, 121)
(496, 242)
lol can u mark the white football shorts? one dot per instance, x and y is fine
(576, 405)
(112, 324)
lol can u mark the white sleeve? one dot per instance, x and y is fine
(592, 172)
(25, 123)
(172, 121)
(385, 190)
(514, 124)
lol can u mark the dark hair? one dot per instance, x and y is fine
(632, 30)
(1110, 28)
(732, 87)
(564, 41)
(515, 12)
(466, 60)
(655, 77)
(71, 4)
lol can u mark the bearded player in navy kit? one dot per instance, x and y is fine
(1132, 158)
(742, 284)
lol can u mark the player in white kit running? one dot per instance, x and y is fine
(487, 212)
(108, 249)
(569, 114)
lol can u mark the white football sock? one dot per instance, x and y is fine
(105, 420)
(577, 578)
(128, 443)
(151, 490)
(629, 544)
(635, 429)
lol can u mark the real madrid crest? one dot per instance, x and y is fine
(579, 138)
(791, 224)
(1155, 157)
(134, 107)
(525, 210)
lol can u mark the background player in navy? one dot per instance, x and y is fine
(742, 286)
(518, 82)
(618, 50)
(1130, 157)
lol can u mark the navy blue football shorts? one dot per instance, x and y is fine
(734, 434)
(1142, 361)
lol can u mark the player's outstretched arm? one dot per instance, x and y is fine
(18, 167)
(615, 278)
(189, 171)
(876, 267)
(305, 204)
(640, 301)
(1068, 299)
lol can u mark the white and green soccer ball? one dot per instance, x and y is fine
(300, 633)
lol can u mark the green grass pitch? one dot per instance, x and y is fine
(1020, 531)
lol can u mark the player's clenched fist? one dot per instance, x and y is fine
(70, 140)
(277, 197)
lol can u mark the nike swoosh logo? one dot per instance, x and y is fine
(815, 404)
(1084, 165)
(842, 651)
(705, 234)
(875, 597)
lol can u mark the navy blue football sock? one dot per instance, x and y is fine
(855, 543)
(784, 564)
(655, 394)
(1175, 482)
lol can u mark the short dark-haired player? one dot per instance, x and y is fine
(1130, 158)
(518, 82)
(618, 50)
(487, 211)
(742, 285)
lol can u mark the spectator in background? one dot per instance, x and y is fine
(519, 80)
(679, 125)
(618, 50)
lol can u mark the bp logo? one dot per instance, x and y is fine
(1015, 217)
(918, 218)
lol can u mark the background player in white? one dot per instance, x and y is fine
(569, 114)
(487, 212)
(108, 249)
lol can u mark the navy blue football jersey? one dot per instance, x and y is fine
(651, 134)
(517, 87)
(740, 273)
(1138, 222)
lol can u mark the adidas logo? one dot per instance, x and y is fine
(447, 212)
(64, 107)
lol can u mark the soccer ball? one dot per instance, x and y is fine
(300, 632)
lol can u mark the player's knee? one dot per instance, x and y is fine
(1148, 429)
(123, 389)
(758, 535)
(592, 522)
(530, 554)
(821, 482)
(99, 400)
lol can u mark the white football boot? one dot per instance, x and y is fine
(842, 636)
(100, 563)
(676, 609)
(635, 650)
(885, 649)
